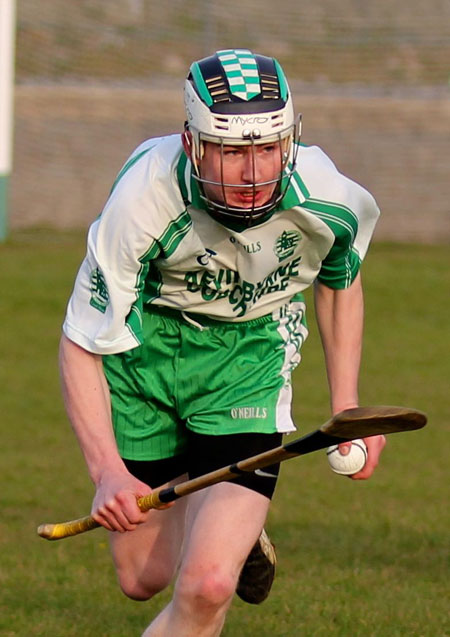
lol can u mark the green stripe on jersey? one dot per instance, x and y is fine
(174, 234)
(170, 239)
(148, 280)
(296, 193)
(301, 184)
(181, 168)
(191, 193)
(134, 318)
(340, 268)
(338, 217)
(342, 263)
(129, 165)
(153, 284)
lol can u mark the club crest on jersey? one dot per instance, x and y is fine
(99, 291)
(286, 243)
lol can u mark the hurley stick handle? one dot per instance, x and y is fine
(75, 527)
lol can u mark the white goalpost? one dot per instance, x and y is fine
(7, 41)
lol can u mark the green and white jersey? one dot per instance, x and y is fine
(154, 243)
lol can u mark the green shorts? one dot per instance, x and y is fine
(208, 376)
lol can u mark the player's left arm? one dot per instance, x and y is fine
(340, 318)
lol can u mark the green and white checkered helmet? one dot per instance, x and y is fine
(236, 97)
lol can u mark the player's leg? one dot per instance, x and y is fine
(149, 432)
(146, 559)
(223, 523)
(233, 381)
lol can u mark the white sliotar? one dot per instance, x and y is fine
(353, 462)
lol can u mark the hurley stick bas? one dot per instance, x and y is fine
(359, 422)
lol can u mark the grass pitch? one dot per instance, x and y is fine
(355, 559)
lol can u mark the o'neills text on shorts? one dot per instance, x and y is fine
(245, 413)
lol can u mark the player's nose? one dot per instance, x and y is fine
(251, 172)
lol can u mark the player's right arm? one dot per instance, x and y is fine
(104, 317)
(86, 397)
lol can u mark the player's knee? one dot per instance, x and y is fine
(211, 589)
(215, 589)
(143, 588)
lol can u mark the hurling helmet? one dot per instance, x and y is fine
(236, 98)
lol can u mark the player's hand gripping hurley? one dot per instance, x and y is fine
(360, 422)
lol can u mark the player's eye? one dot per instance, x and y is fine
(231, 152)
(269, 148)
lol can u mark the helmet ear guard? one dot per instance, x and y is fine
(193, 150)
(237, 98)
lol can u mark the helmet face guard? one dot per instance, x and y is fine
(235, 98)
(280, 182)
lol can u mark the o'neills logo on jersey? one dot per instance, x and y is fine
(246, 413)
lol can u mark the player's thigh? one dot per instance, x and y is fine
(146, 559)
(224, 520)
(223, 523)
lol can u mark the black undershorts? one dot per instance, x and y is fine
(208, 453)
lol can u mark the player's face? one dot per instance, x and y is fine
(243, 166)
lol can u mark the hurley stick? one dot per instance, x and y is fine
(360, 422)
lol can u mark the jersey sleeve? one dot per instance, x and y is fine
(351, 214)
(104, 313)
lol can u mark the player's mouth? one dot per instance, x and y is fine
(246, 198)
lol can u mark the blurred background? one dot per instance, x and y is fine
(95, 78)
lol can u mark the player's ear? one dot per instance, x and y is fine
(186, 138)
